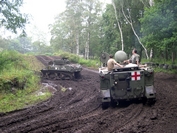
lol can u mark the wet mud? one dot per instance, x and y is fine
(76, 108)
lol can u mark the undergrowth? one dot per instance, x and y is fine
(18, 81)
(92, 63)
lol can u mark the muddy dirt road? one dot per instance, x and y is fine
(77, 109)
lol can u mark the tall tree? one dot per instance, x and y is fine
(118, 23)
(110, 38)
(130, 21)
(73, 14)
(129, 12)
(91, 12)
(159, 29)
(77, 28)
(67, 27)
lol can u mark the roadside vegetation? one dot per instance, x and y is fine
(157, 64)
(162, 65)
(91, 63)
(19, 81)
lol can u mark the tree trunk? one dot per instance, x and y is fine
(172, 57)
(131, 24)
(151, 2)
(151, 54)
(77, 44)
(120, 29)
(166, 54)
(87, 46)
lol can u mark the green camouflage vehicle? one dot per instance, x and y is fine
(61, 69)
(127, 83)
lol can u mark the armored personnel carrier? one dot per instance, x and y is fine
(127, 83)
(61, 69)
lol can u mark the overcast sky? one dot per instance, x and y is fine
(42, 13)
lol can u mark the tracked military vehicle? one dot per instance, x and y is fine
(61, 69)
(127, 83)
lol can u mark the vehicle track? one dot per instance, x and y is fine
(78, 109)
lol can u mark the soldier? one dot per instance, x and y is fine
(111, 62)
(134, 58)
(130, 64)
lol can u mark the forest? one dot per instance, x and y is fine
(87, 28)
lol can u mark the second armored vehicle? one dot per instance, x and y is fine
(127, 83)
(61, 69)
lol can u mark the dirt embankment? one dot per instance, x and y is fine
(77, 109)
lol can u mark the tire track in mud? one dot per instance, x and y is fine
(135, 116)
(78, 110)
(32, 126)
(70, 121)
(21, 116)
(131, 120)
(44, 59)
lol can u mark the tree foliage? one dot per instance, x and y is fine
(110, 35)
(159, 28)
(133, 11)
(10, 16)
(76, 30)
(85, 28)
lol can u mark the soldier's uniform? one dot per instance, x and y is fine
(135, 58)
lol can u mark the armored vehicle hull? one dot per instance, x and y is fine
(61, 69)
(127, 83)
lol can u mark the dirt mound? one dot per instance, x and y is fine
(76, 108)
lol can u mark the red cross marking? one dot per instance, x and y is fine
(135, 75)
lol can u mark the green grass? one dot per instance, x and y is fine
(92, 63)
(165, 70)
(158, 69)
(20, 99)
(18, 81)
